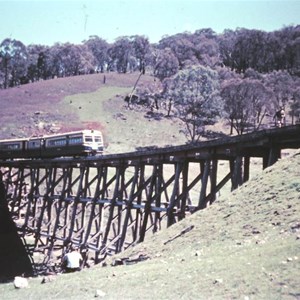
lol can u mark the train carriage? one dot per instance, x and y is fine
(77, 143)
(34, 147)
(85, 142)
(13, 148)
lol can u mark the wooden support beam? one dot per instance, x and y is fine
(236, 172)
(119, 174)
(75, 204)
(213, 180)
(246, 168)
(147, 210)
(274, 155)
(129, 208)
(204, 180)
(158, 193)
(173, 202)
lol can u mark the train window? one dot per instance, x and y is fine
(75, 140)
(88, 139)
(59, 142)
(98, 139)
(12, 146)
(34, 144)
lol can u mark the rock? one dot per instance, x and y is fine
(20, 282)
(99, 293)
(218, 280)
(47, 279)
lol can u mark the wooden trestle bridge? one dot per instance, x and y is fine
(105, 204)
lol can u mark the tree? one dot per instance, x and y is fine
(246, 103)
(182, 48)
(206, 47)
(37, 62)
(70, 60)
(14, 57)
(166, 64)
(281, 83)
(99, 49)
(295, 107)
(141, 47)
(121, 54)
(295, 102)
(195, 92)
(287, 52)
(226, 43)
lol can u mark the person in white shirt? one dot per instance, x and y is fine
(72, 260)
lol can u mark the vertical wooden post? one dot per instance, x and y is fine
(60, 202)
(274, 155)
(158, 188)
(204, 180)
(246, 168)
(45, 203)
(75, 204)
(213, 180)
(185, 192)
(173, 199)
(128, 208)
(118, 179)
(138, 214)
(236, 172)
(92, 212)
(147, 210)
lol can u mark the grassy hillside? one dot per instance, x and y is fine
(65, 104)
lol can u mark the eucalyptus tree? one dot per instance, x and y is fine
(141, 48)
(281, 83)
(195, 94)
(13, 62)
(295, 105)
(166, 64)
(182, 47)
(206, 47)
(99, 48)
(37, 62)
(246, 103)
(70, 60)
(249, 50)
(287, 53)
(121, 53)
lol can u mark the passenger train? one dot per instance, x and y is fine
(77, 143)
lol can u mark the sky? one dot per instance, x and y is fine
(48, 22)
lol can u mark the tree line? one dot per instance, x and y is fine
(240, 74)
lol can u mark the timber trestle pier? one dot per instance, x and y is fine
(106, 203)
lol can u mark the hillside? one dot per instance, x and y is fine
(80, 102)
(245, 246)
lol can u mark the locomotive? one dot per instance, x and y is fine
(76, 143)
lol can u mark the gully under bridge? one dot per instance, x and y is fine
(105, 204)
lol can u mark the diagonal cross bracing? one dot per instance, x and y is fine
(104, 204)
